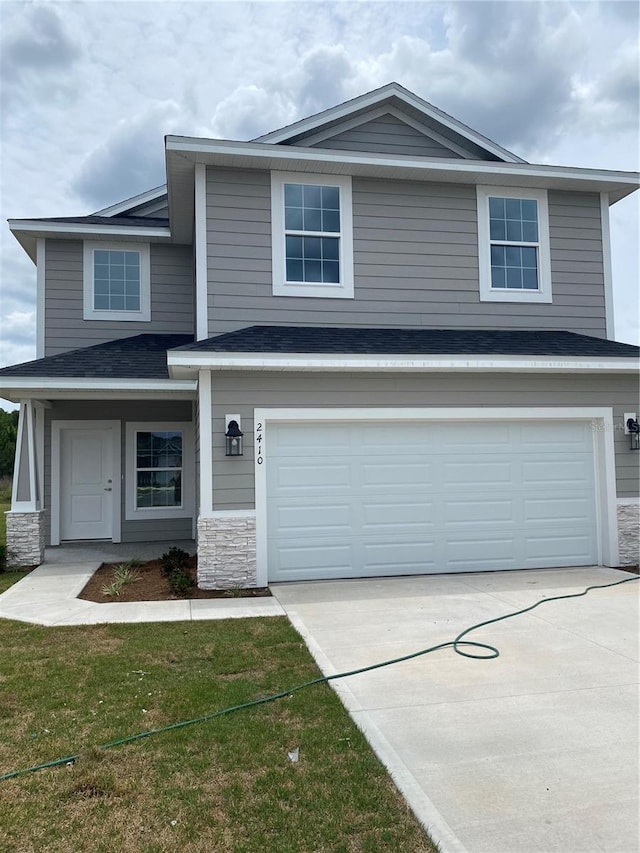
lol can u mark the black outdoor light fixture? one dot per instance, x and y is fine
(233, 438)
(633, 428)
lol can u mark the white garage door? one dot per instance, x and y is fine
(354, 499)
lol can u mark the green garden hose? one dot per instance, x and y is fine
(491, 652)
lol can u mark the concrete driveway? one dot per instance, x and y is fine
(536, 750)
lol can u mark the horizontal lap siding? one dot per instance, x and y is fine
(172, 291)
(151, 411)
(233, 479)
(387, 135)
(415, 261)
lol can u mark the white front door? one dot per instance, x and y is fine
(86, 483)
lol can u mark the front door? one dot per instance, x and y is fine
(86, 483)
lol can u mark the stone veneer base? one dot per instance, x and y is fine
(227, 551)
(227, 545)
(25, 538)
(629, 534)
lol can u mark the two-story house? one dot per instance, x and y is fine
(371, 343)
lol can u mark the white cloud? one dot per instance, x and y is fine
(90, 88)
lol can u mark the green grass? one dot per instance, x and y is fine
(7, 579)
(5, 506)
(225, 786)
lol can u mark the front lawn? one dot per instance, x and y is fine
(224, 785)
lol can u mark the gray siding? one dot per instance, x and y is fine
(415, 261)
(233, 479)
(387, 135)
(172, 297)
(153, 411)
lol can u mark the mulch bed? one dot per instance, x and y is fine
(152, 585)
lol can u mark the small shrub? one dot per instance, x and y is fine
(234, 592)
(175, 559)
(180, 582)
(8, 559)
(112, 589)
(124, 574)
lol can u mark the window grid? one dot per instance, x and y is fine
(116, 280)
(312, 233)
(158, 469)
(514, 242)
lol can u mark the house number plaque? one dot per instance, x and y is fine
(259, 440)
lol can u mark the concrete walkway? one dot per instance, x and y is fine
(47, 596)
(533, 752)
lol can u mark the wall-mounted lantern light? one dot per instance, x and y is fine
(233, 436)
(632, 428)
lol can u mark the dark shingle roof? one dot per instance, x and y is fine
(139, 357)
(316, 339)
(130, 221)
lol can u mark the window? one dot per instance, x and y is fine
(116, 282)
(513, 245)
(159, 470)
(312, 236)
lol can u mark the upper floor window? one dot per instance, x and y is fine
(513, 245)
(116, 282)
(312, 239)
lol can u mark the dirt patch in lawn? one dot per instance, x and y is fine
(151, 584)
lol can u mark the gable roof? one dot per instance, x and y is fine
(395, 95)
(137, 204)
(378, 341)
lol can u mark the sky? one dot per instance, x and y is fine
(89, 89)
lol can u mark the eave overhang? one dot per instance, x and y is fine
(50, 388)
(183, 153)
(27, 232)
(184, 364)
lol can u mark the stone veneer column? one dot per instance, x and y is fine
(227, 550)
(629, 534)
(25, 538)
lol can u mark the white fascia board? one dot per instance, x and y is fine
(18, 388)
(134, 201)
(79, 229)
(372, 99)
(308, 159)
(399, 363)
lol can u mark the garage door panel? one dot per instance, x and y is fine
(569, 550)
(556, 437)
(476, 474)
(401, 516)
(478, 512)
(311, 476)
(365, 500)
(309, 520)
(545, 510)
(407, 557)
(558, 472)
(396, 474)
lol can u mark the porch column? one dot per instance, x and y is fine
(25, 520)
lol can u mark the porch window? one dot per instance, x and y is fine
(158, 469)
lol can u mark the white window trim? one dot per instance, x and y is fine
(343, 290)
(134, 513)
(489, 293)
(91, 313)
